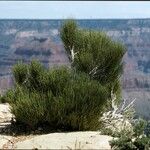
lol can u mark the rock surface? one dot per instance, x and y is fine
(5, 120)
(71, 140)
(5, 115)
(4, 140)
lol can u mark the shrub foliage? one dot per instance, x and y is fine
(69, 98)
(60, 97)
(95, 54)
(137, 140)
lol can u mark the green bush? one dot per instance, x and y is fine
(147, 129)
(20, 72)
(7, 97)
(78, 106)
(93, 49)
(29, 108)
(135, 141)
(60, 97)
(142, 143)
(69, 99)
(123, 143)
(1, 99)
(95, 54)
(127, 143)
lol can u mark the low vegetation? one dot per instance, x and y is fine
(136, 140)
(59, 97)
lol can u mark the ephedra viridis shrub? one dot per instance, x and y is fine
(69, 98)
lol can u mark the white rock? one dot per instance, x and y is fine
(5, 114)
(71, 140)
(4, 140)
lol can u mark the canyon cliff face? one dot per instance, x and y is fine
(24, 40)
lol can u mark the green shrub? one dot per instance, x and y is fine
(35, 70)
(61, 97)
(1, 100)
(58, 79)
(95, 54)
(142, 143)
(29, 108)
(123, 143)
(20, 72)
(72, 99)
(7, 97)
(135, 141)
(147, 129)
(139, 127)
(79, 107)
